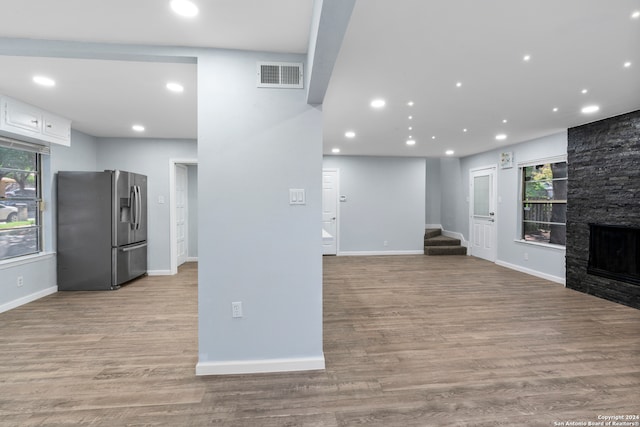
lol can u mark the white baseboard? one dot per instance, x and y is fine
(375, 253)
(456, 235)
(159, 273)
(192, 259)
(556, 279)
(260, 366)
(27, 299)
(433, 226)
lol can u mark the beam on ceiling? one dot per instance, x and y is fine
(328, 27)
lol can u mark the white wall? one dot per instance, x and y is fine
(39, 272)
(385, 203)
(433, 198)
(253, 146)
(453, 212)
(544, 261)
(150, 157)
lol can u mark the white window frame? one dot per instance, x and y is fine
(39, 150)
(520, 227)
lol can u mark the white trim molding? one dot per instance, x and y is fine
(26, 259)
(556, 279)
(159, 273)
(376, 253)
(28, 298)
(233, 367)
(456, 235)
(433, 226)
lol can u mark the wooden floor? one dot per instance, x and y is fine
(409, 341)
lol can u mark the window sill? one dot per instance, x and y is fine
(543, 245)
(27, 259)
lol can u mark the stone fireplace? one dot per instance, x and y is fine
(604, 189)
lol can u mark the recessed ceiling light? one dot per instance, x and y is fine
(410, 127)
(504, 121)
(138, 128)
(335, 150)
(449, 152)
(350, 134)
(527, 58)
(411, 142)
(590, 109)
(464, 130)
(44, 81)
(627, 64)
(636, 14)
(378, 103)
(458, 84)
(410, 103)
(175, 87)
(184, 8)
(555, 109)
(410, 117)
(584, 91)
(501, 137)
(433, 137)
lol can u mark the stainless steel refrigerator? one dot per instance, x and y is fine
(101, 229)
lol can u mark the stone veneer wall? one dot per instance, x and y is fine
(604, 188)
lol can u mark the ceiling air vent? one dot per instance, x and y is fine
(284, 75)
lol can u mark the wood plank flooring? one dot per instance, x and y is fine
(409, 341)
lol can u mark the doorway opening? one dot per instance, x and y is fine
(330, 205)
(183, 212)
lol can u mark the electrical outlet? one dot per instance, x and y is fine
(526, 256)
(20, 281)
(236, 309)
(386, 243)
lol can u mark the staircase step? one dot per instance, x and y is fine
(432, 232)
(441, 241)
(445, 250)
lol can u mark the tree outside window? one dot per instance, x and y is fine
(19, 202)
(544, 203)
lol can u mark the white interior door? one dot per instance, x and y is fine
(482, 207)
(181, 213)
(329, 211)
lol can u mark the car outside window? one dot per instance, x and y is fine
(20, 217)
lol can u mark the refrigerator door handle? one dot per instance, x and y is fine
(134, 206)
(133, 248)
(138, 207)
(132, 202)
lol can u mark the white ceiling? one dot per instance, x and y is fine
(399, 50)
(274, 25)
(105, 98)
(416, 50)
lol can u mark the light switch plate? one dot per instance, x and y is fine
(297, 196)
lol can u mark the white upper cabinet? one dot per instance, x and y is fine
(57, 128)
(18, 119)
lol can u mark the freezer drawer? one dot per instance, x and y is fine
(130, 262)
